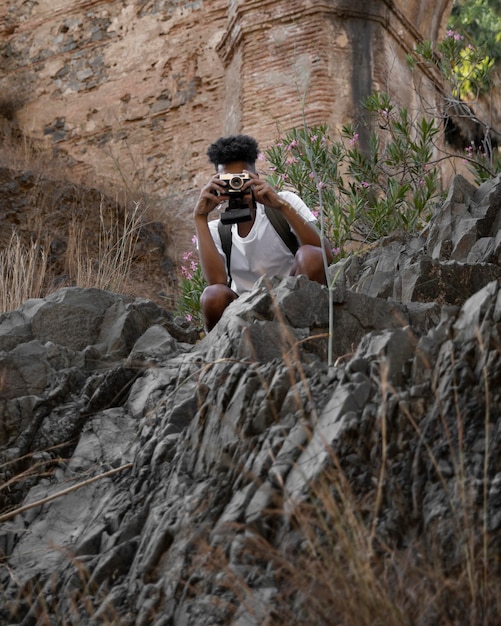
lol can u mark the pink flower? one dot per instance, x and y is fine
(290, 160)
(260, 157)
(292, 144)
(365, 184)
(454, 35)
(354, 139)
(316, 213)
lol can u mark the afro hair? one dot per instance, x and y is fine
(235, 148)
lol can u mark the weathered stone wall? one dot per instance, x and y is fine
(325, 54)
(137, 89)
(127, 88)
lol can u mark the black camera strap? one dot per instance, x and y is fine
(279, 223)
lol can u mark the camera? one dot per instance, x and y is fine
(237, 210)
(234, 182)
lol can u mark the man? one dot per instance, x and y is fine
(257, 248)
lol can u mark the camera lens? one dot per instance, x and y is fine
(236, 182)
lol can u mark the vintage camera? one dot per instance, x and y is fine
(234, 182)
(237, 209)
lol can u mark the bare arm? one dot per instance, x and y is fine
(305, 231)
(211, 261)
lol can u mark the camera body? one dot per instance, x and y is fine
(234, 182)
(237, 210)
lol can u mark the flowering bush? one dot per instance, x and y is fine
(467, 70)
(191, 285)
(478, 22)
(363, 192)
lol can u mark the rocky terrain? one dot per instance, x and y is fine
(149, 478)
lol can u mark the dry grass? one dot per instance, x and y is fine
(328, 559)
(116, 242)
(328, 571)
(22, 273)
(324, 559)
(91, 232)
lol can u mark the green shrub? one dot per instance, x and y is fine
(363, 193)
(191, 286)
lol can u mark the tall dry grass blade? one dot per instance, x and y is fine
(63, 492)
(22, 273)
(116, 242)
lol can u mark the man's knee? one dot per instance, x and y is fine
(213, 302)
(310, 261)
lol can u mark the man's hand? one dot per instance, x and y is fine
(263, 191)
(210, 197)
(211, 262)
(304, 231)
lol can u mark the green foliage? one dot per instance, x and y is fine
(388, 184)
(467, 68)
(466, 58)
(191, 286)
(470, 50)
(480, 23)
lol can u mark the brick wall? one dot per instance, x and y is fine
(135, 90)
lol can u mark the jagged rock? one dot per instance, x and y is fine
(467, 215)
(152, 477)
(456, 257)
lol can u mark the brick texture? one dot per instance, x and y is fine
(135, 90)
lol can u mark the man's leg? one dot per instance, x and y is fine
(213, 302)
(309, 261)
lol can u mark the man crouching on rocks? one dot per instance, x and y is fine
(261, 232)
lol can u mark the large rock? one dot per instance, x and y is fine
(457, 254)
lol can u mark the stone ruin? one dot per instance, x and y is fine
(136, 90)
